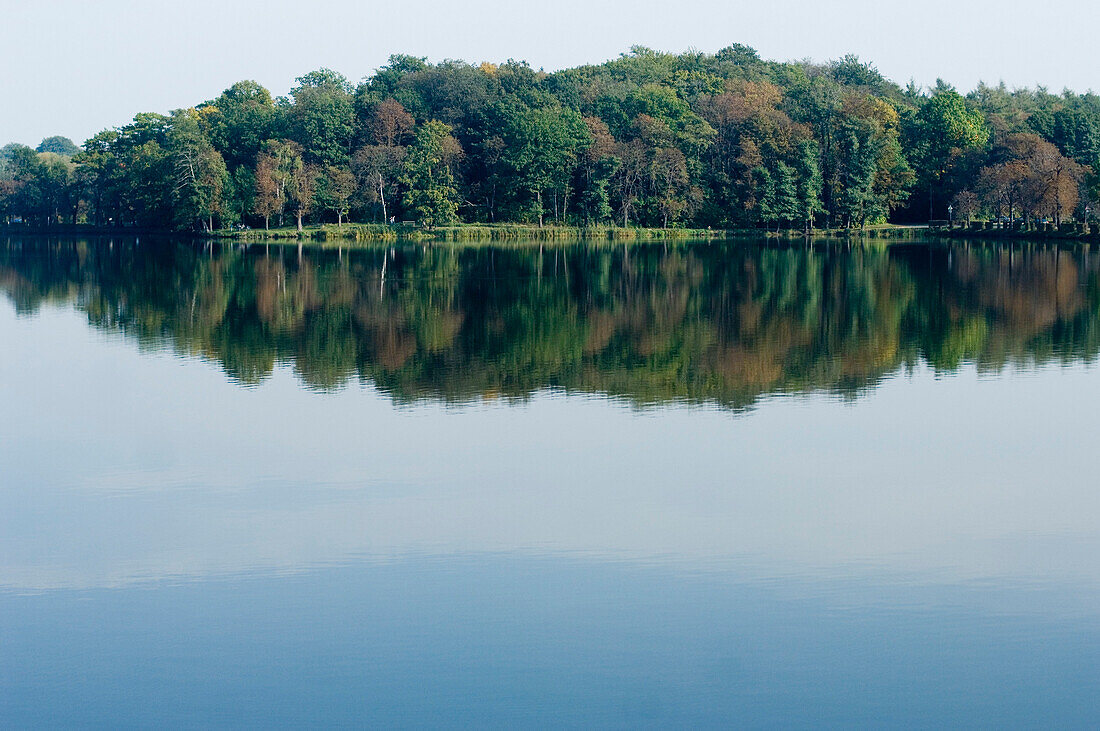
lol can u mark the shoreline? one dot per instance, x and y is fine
(475, 233)
(1076, 234)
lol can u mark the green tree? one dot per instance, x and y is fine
(946, 129)
(765, 204)
(541, 148)
(58, 145)
(240, 195)
(22, 171)
(430, 193)
(871, 175)
(56, 184)
(201, 177)
(859, 149)
(786, 193)
(239, 121)
(810, 182)
(335, 187)
(378, 170)
(322, 118)
(101, 168)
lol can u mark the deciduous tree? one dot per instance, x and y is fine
(430, 193)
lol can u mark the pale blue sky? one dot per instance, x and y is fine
(75, 67)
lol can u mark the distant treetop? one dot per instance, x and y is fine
(58, 144)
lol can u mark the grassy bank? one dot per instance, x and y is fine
(469, 232)
(1045, 232)
(367, 233)
(481, 233)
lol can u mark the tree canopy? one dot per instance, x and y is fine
(723, 140)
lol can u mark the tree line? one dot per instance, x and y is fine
(725, 140)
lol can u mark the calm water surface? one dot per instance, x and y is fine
(578, 485)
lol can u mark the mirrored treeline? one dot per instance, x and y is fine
(697, 323)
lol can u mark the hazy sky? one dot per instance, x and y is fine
(76, 67)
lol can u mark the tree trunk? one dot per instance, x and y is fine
(299, 220)
(267, 223)
(382, 197)
(538, 197)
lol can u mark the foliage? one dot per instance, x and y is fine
(541, 148)
(58, 145)
(430, 193)
(725, 140)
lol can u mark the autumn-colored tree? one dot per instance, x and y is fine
(752, 136)
(275, 170)
(302, 189)
(1056, 181)
(1003, 187)
(1032, 175)
(390, 123)
(597, 164)
(966, 205)
(669, 177)
(270, 196)
(630, 176)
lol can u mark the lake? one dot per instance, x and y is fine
(583, 484)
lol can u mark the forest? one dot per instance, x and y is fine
(723, 141)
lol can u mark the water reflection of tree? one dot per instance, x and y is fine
(724, 324)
